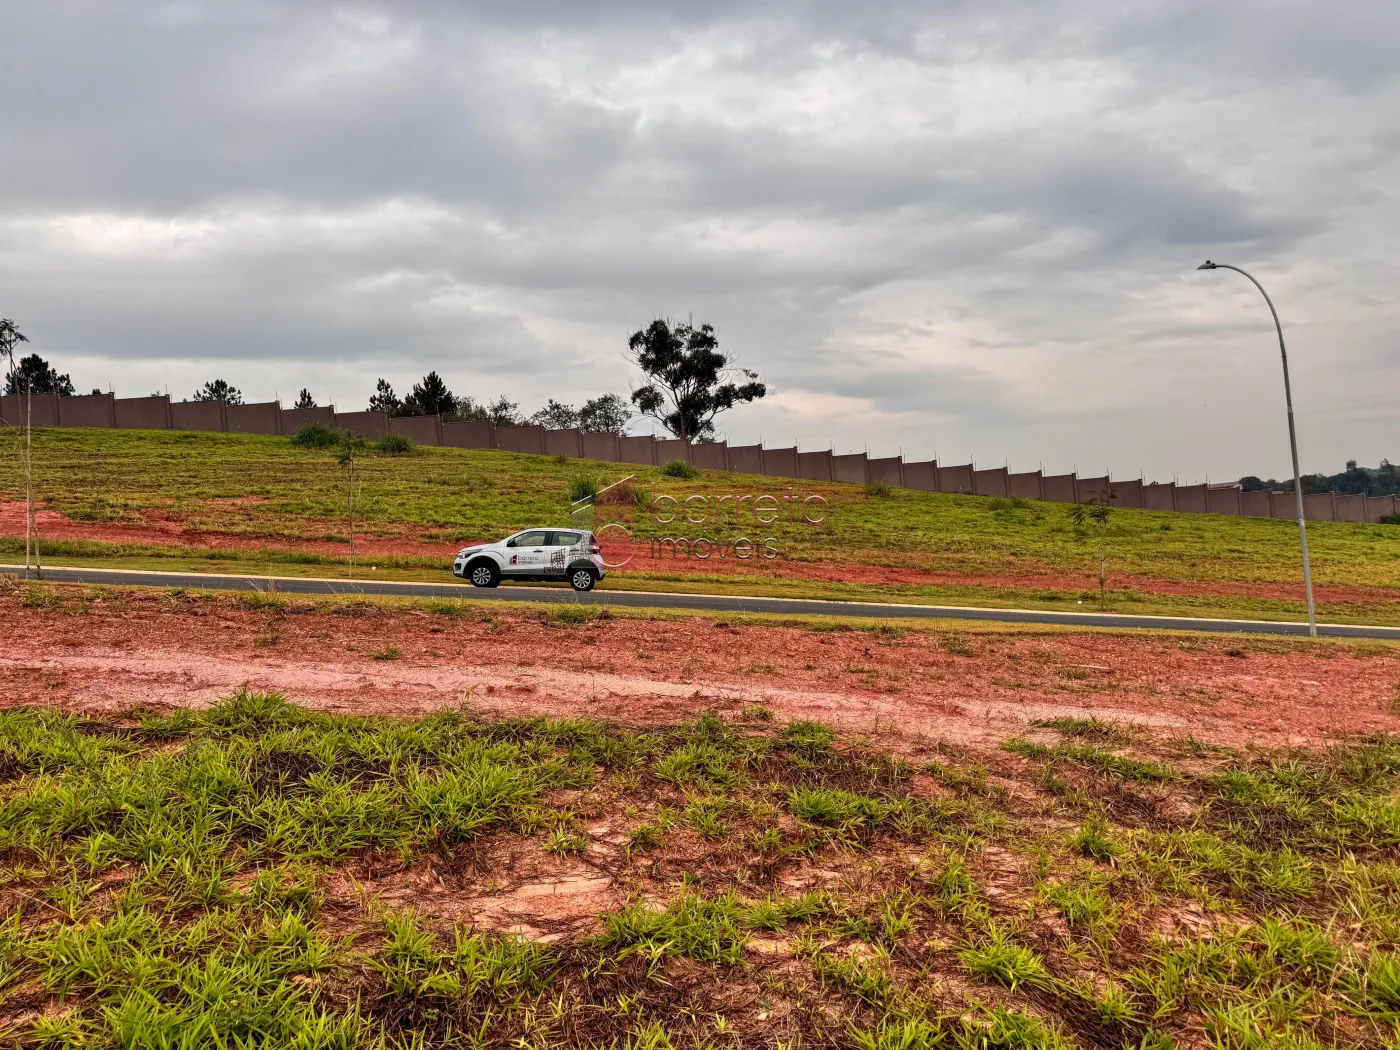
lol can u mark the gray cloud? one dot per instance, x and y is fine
(951, 225)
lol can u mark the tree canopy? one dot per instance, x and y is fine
(608, 414)
(10, 337)
(33, 374)
(689, 381)
(430, 398)
(305, 400)
(384, 399)
(219, 390)
(1383, 480)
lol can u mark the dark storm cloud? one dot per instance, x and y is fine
(969, 223)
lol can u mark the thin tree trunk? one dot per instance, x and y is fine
(1103, 598)
(350, 511)
(31, 525)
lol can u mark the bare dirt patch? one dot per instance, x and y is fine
(142, 648)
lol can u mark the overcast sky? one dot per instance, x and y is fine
(968, 229)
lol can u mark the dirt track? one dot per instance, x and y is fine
(145, 648)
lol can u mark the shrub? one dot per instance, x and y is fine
(1390, 519)
(316, 435)
(582, 488)
(396, 444)
(878, 490)
(679, 468)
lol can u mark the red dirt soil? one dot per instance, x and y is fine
(156, 531)
(143, 648)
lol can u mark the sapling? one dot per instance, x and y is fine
(1094, 514)
(11, 337)
(346, 462)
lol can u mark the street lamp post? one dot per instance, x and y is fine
(1292, 441)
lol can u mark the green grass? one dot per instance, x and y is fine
(264, 491)
(258, 874)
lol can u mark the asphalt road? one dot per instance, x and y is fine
(710, 602)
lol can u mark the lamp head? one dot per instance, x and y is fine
(1207, 265)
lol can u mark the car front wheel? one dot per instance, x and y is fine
(484, 574)
(582, 579)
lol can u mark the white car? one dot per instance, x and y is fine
(535, 554)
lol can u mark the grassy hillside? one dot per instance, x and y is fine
(254, 501)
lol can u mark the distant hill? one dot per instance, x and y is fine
(1363, 481)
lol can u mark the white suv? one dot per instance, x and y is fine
(535, 554)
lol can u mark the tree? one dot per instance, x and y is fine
(690, 381)
(430, 398)
(555, 416)
(501, 413)
(384, 399)
(305, 400)
(219, 390)
(608, 414)
(1095, 513)
(346, 462)
(11, 337)
(35, 375)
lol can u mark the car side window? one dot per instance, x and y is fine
(532, 539)
(565, 539)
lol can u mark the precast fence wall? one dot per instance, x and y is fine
(160, 413)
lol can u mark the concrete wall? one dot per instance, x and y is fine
(1255, 504)
(1159, 496)
(955, 479)
(890, 470)
(197, 415)
(1096, 490)
(425, 430)
(1058, 488)
(87, 410)
(1191, 499)
(293, 419)
(42, 408)
(639, 450)
(710, 455)
(990, 482)
(922, 476)
(262, 418)
(746, 459)
(668, 449)
(1128, 493)
(814, 466)
(142, 413)
(371, 425)
(1378, 507)
(521, 439)
(1283, 505)
(850, 468)
(1223, 500)
(564, 443)
(1026, 485)
(1318, 507)
(780, 462)
(1349, 508)
(603, 447)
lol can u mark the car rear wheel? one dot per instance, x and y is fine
(484, 574)
(582, 579)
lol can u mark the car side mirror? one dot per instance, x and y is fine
(510, 543)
